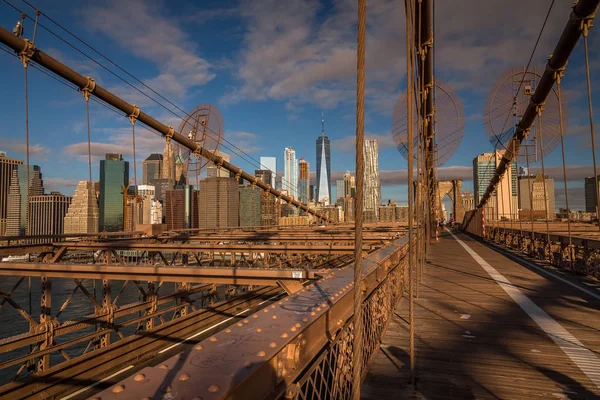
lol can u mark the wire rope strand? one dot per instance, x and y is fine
(357, 347)
(591, 117)
(546, 216)
(564, 167)
(89, 136)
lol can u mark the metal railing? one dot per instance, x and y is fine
(299, 348)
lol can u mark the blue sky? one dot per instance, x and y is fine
(272, 67)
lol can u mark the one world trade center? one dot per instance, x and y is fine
(323, 194)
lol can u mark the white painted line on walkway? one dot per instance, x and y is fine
(576, 286)
(573, 348)
(96, 383)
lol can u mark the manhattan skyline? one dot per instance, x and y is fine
(264, 109)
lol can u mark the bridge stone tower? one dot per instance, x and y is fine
(452, 188)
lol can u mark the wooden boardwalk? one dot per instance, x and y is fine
(475, 340)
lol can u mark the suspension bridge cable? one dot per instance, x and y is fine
(241, 153)
(585, 30)
(77, 89)
(410, 133)
(357, 345)
(562, 144)
(540, 120)
(526, 71)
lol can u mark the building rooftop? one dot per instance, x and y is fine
(154, 157)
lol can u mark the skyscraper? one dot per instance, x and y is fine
(181, 207)
(269, 164)
(14, 206)
(484, 167)
(372, 193)
(249, 206)
(152, 169)
(264, 176)
(181, 170)
(303, 181)
(591, 200)
(46, 214)
(17, 213)
(212, 171)
(339, 190)
(114, 175)
(349, 184)
(168, 163)
(323, 166)
(7, 165)
(533, 198)
(83, 213)
(290, 170)
(219, 203)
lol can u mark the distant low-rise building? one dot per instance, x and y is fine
(47, 213)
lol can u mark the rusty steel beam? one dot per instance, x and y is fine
(84, 370)
(27, 49)
(219, 275)
(271, 349)
(211, 248)
(69, 236)
(583, 11)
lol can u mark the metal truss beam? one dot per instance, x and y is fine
(269, 351)
(218, 275)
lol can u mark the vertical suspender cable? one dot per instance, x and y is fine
(87, 116)
(516, 209)
(360, 177)
(540, 121)
(410, 140)
(530, 188)
(591, 111)
(562, 144)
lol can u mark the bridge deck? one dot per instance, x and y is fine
(477, 338)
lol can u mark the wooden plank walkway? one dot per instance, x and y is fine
(474, 341)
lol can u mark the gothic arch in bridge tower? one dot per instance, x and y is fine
(452, 188)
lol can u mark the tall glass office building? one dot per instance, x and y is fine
(269, 164)
(114, 174)
(290, 171)
(323, 166)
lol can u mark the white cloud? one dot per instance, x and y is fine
(143, 29)
(291, 52)
(347, 144)
(246, 141)
(19, 146)
(56, 183)
(118, 141)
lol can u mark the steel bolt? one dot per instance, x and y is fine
(118, 389)
(214, 388)
(139, 377)
(184, 377)
(198, 347)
